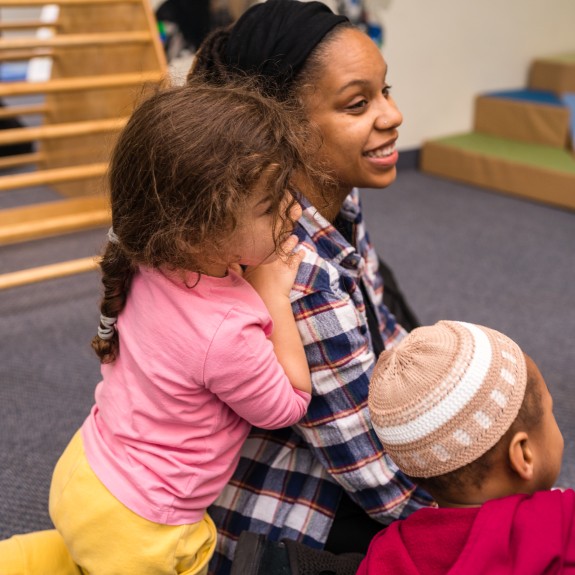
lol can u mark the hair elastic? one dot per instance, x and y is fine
(109, 327)
(112, 237)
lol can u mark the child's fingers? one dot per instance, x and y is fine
(237, 268)
(289, 245)
(290, 254)
(295, 258)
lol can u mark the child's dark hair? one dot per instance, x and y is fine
(474, 473)
(181, 170)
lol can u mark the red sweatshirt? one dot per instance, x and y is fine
(519, 535)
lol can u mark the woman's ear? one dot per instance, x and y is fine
(521, 456)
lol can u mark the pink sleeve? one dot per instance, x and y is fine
(243, 371)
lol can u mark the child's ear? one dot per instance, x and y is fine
(521, 456)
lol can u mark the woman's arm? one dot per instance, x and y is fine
(336, 426)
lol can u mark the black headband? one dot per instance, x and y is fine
(275, 38)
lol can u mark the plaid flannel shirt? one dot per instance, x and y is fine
(288, 482)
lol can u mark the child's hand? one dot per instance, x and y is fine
(237, 268)
(276, 278)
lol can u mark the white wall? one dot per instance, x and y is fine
(442, 53)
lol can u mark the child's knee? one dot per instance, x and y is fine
(37, 553)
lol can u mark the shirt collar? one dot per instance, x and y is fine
(327, 240)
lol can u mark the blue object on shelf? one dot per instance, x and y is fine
(11, 72)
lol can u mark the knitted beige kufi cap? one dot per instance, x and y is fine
(445, 395)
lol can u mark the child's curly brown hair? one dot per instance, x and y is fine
(182, 169)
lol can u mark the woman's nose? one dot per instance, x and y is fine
(388, 115)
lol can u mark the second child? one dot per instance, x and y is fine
(464, 412)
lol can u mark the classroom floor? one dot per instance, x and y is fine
(458, 251)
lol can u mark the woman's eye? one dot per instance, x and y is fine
(358, 105)
(386, 90)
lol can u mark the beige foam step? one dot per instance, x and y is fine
(541, 173)
(554, 73)
(526, 121)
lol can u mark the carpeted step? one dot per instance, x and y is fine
(542, 173)
(534, 116)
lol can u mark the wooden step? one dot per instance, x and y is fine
(53, 218)
(26, 25)
(79, 84)
(25, 55)
(52, 176)
(48, 132)
(76, 40)
(16, 160)
(17, 111)
(47, 272)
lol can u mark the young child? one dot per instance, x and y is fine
(464, 412)
(200, 189)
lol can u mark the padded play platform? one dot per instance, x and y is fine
(535, 116)
(523, 140)
(533, 171)
(555, 73)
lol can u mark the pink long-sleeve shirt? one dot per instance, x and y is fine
(195, 370)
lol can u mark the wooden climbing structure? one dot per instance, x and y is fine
(103, 55)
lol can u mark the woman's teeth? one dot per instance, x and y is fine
(381, 152)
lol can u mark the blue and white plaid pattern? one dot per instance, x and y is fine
(288, 482)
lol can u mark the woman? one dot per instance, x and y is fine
(293, 482)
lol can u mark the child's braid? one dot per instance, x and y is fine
(117, 273)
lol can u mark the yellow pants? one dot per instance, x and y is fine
(103, 536)
(38, 553)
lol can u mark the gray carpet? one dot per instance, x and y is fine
(469, 254)
(458, 252)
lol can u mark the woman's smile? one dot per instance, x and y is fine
(386, 154)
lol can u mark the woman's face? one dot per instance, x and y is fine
(358, 118)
